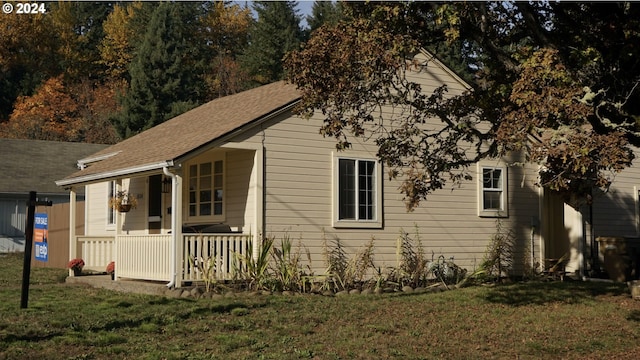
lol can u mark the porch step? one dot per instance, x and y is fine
(122, 285)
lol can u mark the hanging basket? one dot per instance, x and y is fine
(123, 201)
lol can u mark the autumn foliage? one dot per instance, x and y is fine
(79, 69)
(555, 82)
(56, 112)
(549, 119)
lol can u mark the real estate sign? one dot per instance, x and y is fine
(40, 235)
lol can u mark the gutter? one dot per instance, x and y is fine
(113, 174)
(174, 226)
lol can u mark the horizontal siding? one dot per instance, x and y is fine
(135, 222)
(239, 186)
(298, 180)
(615, 213)
(96, 210)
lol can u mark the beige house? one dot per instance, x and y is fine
(211, 180)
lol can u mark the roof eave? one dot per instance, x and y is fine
(92, 178)
(441, 65)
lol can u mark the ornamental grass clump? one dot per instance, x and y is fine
(344, 272)
(413, 267)
(254, 271)
(287, 266)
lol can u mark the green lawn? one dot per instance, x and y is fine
(534, 320)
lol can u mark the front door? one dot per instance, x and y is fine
(155, 204)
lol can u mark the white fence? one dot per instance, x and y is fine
(214, 252)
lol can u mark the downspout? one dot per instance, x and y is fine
(534, 225)
(174, 226)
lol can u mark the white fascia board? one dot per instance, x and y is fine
(82, 163)
(445, 68)
(114, 174)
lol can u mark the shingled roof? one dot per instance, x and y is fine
(35, 165)
(177, 137)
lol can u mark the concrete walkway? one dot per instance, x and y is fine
(122, 285)
(11, 244)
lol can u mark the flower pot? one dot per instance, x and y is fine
(77, 272)
(113, 276)
(124, 208)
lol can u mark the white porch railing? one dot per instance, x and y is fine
(96, 251)
(144, 257)
(212, 250)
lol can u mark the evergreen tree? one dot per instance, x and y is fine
(324, 12)
(276, 32)
(164, 70)
(225, 31)
(78, 30)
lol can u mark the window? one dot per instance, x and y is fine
(492, 194)
(111, 212)
(206, 189)
(358, 193)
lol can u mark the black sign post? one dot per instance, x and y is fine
(28, 245)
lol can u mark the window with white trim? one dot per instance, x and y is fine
(206, 189)
(111, 212)
(492, 191)
(357, 193)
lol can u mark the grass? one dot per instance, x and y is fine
(553, 320)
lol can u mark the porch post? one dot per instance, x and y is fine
(260, 201)
(118, 224)
(176, 214)
(175, 248)
(73, 244)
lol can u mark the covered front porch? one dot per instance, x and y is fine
(189, 222)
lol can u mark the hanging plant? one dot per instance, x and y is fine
(123, 201)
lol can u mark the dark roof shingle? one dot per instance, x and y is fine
(35, 165)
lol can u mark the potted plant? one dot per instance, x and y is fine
(123, 201)
(76, 265)
(111, 269)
